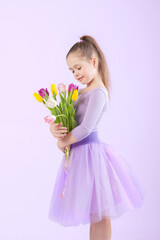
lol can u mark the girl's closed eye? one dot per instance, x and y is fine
(78, 69)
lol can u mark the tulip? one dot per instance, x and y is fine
(38, 97)
(72, 86)
(42, 92)
(75, 95)
(53, 88)
(61, 87)
(67, 87)
(51, 103)
(49, 119)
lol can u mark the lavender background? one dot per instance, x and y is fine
(35, 38)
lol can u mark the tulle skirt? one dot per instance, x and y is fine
(98, 184)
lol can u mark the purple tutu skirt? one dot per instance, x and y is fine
(98, 184)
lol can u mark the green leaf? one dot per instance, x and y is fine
(58, 118)
(72, 122)
(60, 106)
(70, 96)
(65, 110)
(54, 95)
(53, 111)
(68, 129)
(62, 98)
(56, 121)
(71, 110)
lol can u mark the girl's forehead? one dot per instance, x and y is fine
(78, 58)
(74, 60)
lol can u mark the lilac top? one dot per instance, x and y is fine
(90, 107)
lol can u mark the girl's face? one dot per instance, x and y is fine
(83, 71)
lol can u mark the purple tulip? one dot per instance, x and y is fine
(72, 86)
(47, 92)
(42, 92)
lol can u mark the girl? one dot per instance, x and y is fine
(99, 183)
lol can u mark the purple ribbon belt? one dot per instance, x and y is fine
(92, 137)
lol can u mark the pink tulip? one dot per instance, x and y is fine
(61, 88)
(50, 118)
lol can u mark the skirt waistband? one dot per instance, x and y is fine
(92, 137)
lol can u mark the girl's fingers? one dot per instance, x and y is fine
(60, 138)
(57, 126)
(59, 135)
(63, 127)
(60, 131)
(57, 130)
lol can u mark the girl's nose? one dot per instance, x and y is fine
(76, 74)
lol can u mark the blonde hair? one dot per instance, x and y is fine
(86, 48)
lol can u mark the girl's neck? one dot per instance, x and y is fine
(94, 83)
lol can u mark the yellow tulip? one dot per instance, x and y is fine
(75, 95)
(38, 97)
(53, 88)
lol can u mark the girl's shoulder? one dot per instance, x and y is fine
(84, 91)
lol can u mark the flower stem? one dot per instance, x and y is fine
(61, 115)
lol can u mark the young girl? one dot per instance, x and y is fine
(99, 183)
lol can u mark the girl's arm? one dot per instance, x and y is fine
(66, 141)
(96, 102)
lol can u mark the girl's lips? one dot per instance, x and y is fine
(80, 78)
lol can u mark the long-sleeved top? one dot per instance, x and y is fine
(90, 107)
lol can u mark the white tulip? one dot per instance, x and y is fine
(51, 103)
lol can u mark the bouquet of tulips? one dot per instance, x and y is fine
(63, 111)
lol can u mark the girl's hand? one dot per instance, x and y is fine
(58, 131)
(59, 144)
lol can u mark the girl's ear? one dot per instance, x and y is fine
(94, 61)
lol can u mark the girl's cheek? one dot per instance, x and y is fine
(84, 73)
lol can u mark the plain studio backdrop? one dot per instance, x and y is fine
(35, 37)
